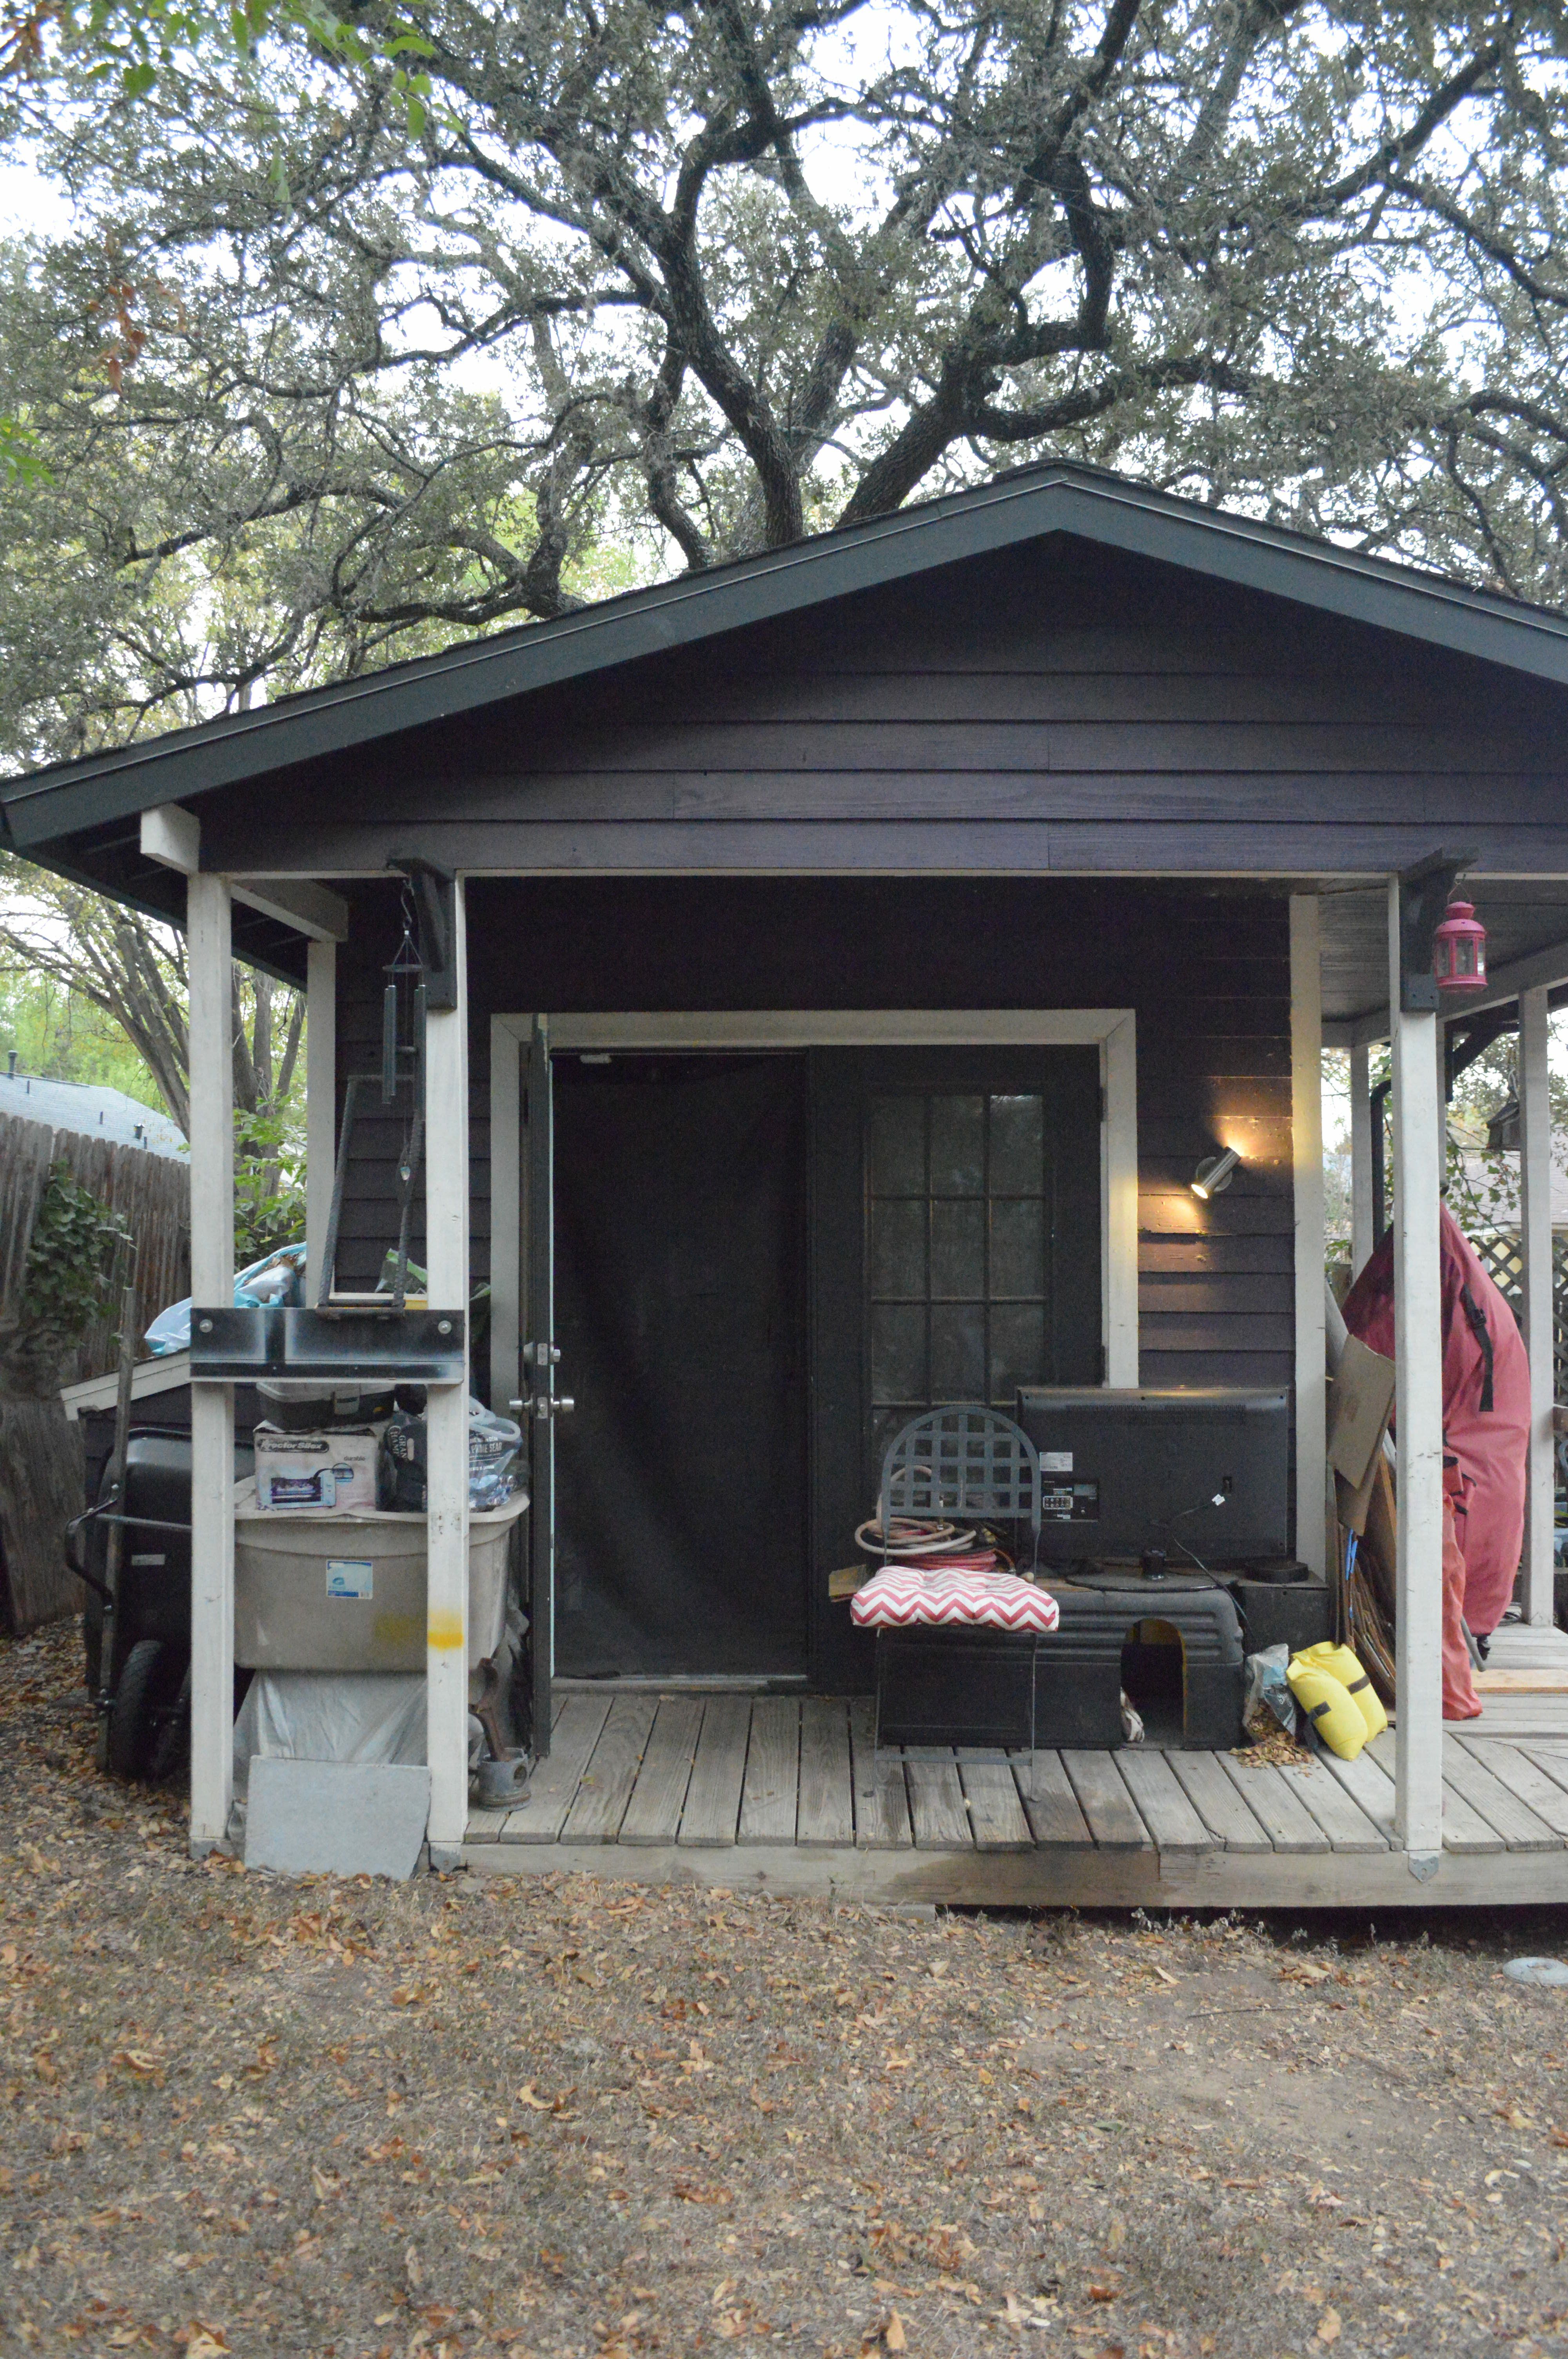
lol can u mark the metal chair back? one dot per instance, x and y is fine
(962, 1461)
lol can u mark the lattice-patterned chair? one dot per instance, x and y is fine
(949, 1683)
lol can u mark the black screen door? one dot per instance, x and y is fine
(957, 1255)
(681, 1317)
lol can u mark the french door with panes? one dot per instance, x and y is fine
(956, 1227)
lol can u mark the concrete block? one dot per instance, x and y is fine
(336, 1818)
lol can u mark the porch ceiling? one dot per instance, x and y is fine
(1521, 917)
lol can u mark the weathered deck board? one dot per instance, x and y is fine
(1520, 1828)
(1524, 1778)
(827, 1816)
(1163, 1804)
(652, 1815)
(936, 1801)
(771, 1785)
(1113, 1820)
(882, 1797)
(552, 1787)
(1217, 1802)
(713, 1797)
(1046, 1792)
(1369, 1786)
(1277, 1807)
(1348, 1826)
(605, 1788)
(1464, 1828)
(996, 1813)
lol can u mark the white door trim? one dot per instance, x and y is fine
(1112, 1029)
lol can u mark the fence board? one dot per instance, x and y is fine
(151, 1193)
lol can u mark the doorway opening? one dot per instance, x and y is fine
(680, 1256)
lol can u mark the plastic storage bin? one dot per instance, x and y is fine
(318, 1592)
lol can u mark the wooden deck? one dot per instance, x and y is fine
(789, 1794)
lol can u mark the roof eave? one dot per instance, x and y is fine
(49, 805)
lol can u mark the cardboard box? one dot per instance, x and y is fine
(1360, 1397)
(315, 1473)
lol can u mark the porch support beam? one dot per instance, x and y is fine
(1535, 1228)
(447, 1534)
(1418, 1403)
(209, 953)
(1306, 1155)
(321, 1103)
(1362, 1242)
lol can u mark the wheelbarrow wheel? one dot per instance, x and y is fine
(131, 1720)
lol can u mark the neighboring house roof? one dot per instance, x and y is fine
(92, 1110)
(40, 808)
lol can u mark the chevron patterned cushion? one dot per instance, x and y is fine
(905, 1593)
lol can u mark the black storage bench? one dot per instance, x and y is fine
(1077, 1669)
(965, 1685)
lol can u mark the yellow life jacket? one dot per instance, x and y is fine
(1329, 1705)
(1348, 1671)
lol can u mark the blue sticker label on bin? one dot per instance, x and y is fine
(349, 1576)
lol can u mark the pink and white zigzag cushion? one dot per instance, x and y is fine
(902, 1594)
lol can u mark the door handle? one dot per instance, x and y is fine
(543, 1406)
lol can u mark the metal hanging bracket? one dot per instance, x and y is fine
(1425, 891)
(436, 898)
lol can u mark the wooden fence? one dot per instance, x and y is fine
(151, 1193)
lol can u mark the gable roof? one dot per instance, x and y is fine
(40, 807)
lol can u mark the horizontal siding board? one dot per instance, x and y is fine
(1250, 1370)
(1272, 1255)
(1204, 1294)
(1234, 1331)
(957, 846)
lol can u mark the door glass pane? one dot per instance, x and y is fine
(898, 1249)
(897, 1146)
(958, 1259)
(1018, 1144)
(957, 1351)
(1017, 1350)
(898, 1351)
(957, 1249)
(1018, 1249)
(958, 1146)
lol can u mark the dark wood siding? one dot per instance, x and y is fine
(1055, 709)
(1207, 972)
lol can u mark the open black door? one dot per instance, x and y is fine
(540, 1356)
(680, 1486)
(955, 1255)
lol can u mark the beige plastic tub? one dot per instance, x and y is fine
(316, 1592)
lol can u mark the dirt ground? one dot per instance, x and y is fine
(564, 2116)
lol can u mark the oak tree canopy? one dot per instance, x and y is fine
(321, 379)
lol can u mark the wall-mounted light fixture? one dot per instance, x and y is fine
(1215, 1174)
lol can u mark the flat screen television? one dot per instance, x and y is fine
(1202, 1474)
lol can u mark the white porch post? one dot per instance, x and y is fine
(447, 1254)
(208, 955)
(1362, 1242)
(1417, 1406)
(320, 1101)
(1306, 1157)
(1535, 1230)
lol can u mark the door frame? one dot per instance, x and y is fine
(1112, 1029)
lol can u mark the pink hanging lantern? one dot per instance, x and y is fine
(1459, 950)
